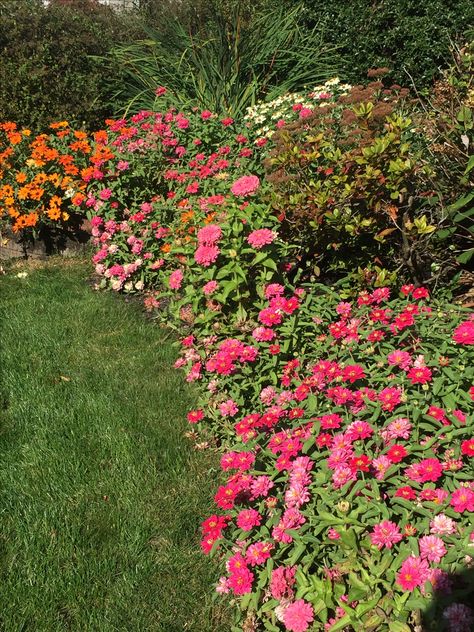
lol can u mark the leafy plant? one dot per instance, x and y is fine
(228, 65)
(412, 38)
(47, 72)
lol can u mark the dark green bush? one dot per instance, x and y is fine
(404, 35)
(46, 71)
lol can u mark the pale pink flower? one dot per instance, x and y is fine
(442, 525)
(432, 548)
(228, 408)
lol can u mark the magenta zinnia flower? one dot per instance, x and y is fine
(464, 333)
(413, 572)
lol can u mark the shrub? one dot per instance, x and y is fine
(353, 186)
(48, 72)
(405, 35)
(449, 126)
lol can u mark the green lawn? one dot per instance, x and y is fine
(100, 494)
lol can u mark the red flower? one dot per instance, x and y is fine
(195, 415)
(467, 447)
(419, 375)
(396, 453)
(361, 463)
(406, 492)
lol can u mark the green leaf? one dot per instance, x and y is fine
(398, 626)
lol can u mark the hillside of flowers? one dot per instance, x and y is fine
(343, 411)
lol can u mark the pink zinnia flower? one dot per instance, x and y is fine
(246, 185)
(261, 237)
(432, 548)
(424, 471)
(206, 255)
(263, 334)
(248, 519)
(282, 581)
(210, 287)
(229, 408)
(175, 280)
(385, 534)
(298, 615)
(241, 581)
(462, 500)
(413, 572)
(399, 358)
(258, 553)
(208, 235)
(464, 333)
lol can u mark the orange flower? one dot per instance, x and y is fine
(187, 216)
(101, 137)
(15, 138)
(54, 213)
(166, 248)
(20, 177)
(59, 124)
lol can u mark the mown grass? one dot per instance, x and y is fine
(100, 494)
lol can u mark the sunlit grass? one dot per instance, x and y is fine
(100, 494)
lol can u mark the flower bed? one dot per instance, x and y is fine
(345, 426)
(347, 495)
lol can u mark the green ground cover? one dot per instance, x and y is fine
(100, 496)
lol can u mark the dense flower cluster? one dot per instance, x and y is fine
(354, 454)
(346, 425)
(347, 491)
(39, 176)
